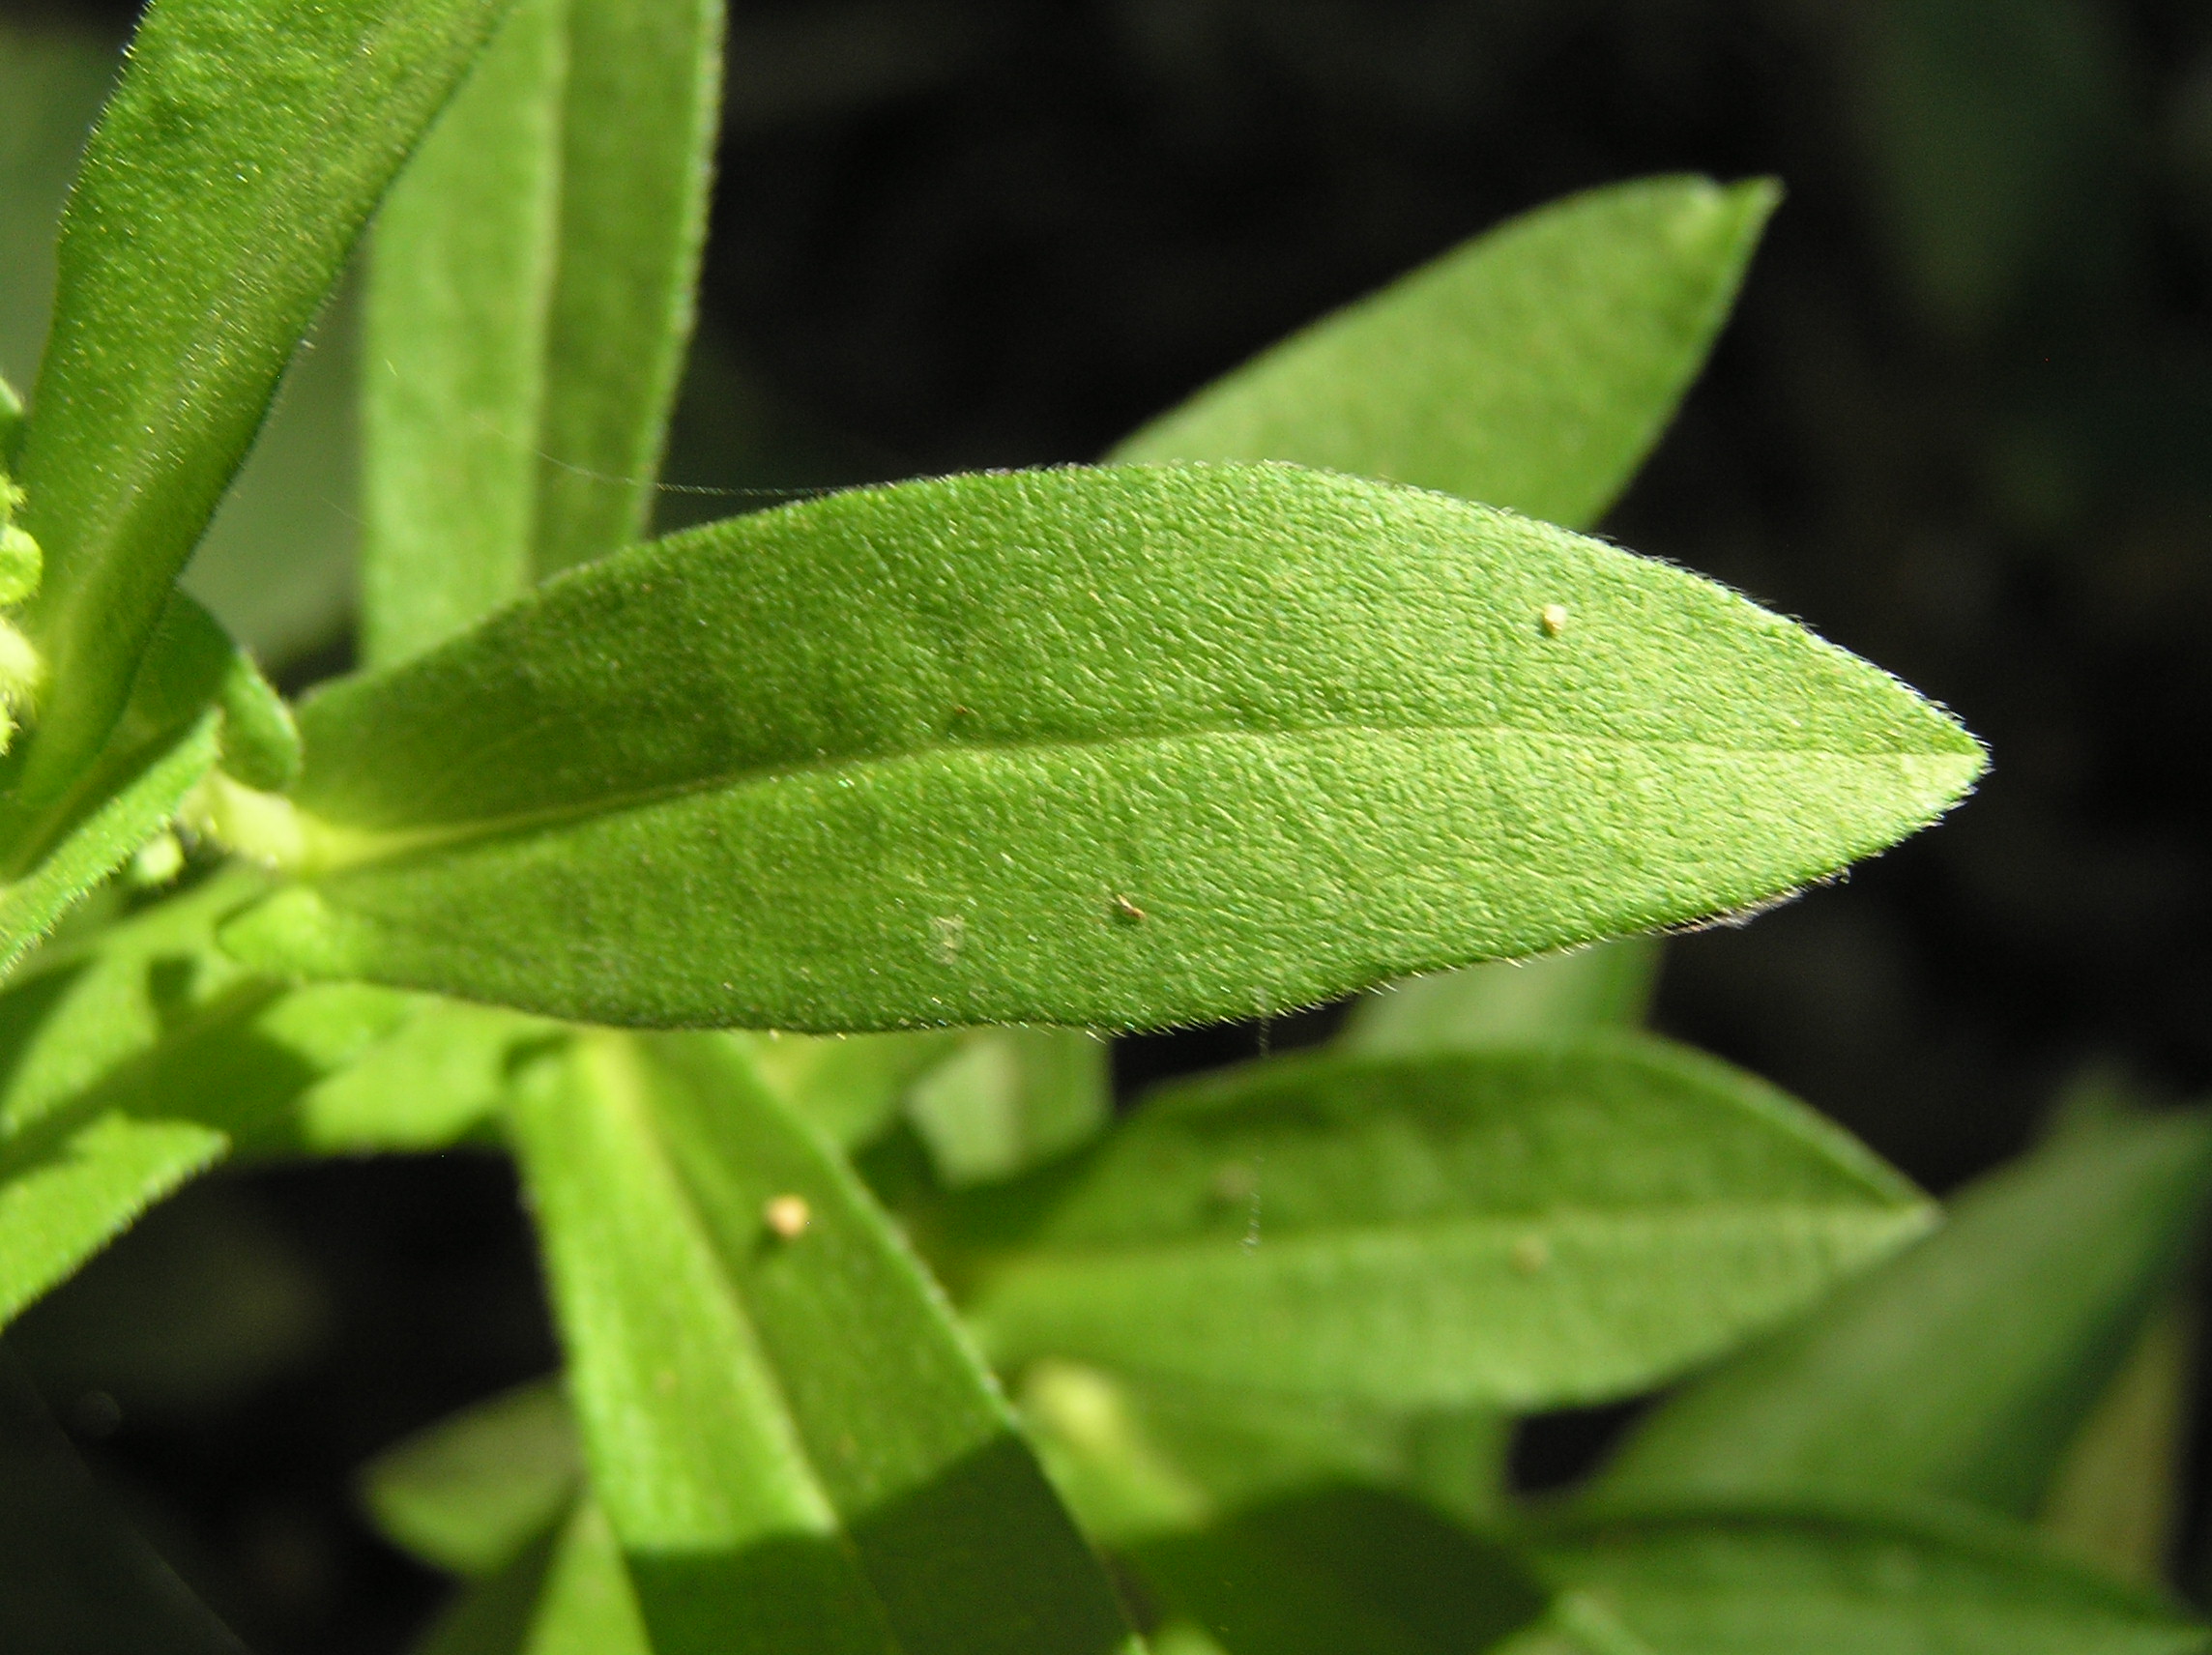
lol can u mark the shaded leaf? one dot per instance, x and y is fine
(1508, 999)
(470, 1492)
(1102, 748)
(1141, 1458)
(784, 1430)
(1720, 1580)
(568, 1593)
(1518, 1226)
(1532, 368)
(1965, 1367)
(219, 197)
(1342, 1569)
(2116, 1499)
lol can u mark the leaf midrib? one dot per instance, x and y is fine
(336, 848)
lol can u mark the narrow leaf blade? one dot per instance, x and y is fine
(784, 1430)
(1965, 1367)
(1532, 368)
(1519, 1227)
(244, 148)
(460, 283)
(1103, 748)
(644, 97)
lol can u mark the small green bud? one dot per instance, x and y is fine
(21, 565)
(160, 859)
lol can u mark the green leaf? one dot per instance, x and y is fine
(1135, 1459)
(136, 1059)
(1007, 1099)
(1101, 748)
(460, 281)
(1603, 987)
(1338, 1570)
(439, 1078)
(644, 92)
(2116, 1499)
(528, 304)
(71, 1576)
(470, 1492)
(566, 1594)
(1518, 1226)
(1967, 1366)
(171, 733)
(220, 193)
(1532, 368)
(1750, 1580)
(847, 1087)
(787, 1435)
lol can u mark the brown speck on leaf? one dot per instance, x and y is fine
(1127, 912)
(1552, 620)
(788, 1216)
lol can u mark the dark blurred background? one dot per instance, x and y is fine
(1963, 424)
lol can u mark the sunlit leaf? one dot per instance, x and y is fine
(1532, 368)
(1519, 1226)
(245, 144)
(788, 1436)
(529, 302)
(1102, 748)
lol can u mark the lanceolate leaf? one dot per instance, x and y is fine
(1104, 748)
(790, 1443)
(1519, 1226)
(1532, 368)
(644, 93)
(1722, 1581)
(528, 304)
(460, 281)
(1965, 1367)
(1601, 987)
(245, 147)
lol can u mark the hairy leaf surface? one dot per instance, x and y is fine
(1532, 368)
(1519, 1227)
(786, 1432)
(1105, 748)
(1965, 1367)
(529, 302)
(246, 145)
